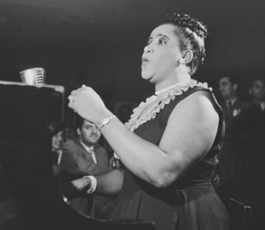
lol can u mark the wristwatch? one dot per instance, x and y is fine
(105, 121)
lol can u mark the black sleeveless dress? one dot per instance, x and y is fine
(191, 204)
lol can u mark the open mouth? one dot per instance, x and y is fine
(144, 61)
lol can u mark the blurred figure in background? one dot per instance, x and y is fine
(231, 152)
(257, 92)
(254, 123)
(57, 140)
(58, 132)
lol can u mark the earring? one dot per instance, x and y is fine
(181, 61)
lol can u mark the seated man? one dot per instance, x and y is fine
(83, 156)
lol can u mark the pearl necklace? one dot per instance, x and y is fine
(170, 87)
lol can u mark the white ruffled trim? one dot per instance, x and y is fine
(135, 121)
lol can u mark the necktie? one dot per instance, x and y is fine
(228, 105)
(228, 108)
(93, 155)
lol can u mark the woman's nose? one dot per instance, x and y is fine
(147, 49)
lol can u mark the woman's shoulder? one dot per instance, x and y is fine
(195, 86)
(167, 103)
(178, 95)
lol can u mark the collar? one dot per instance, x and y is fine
(231, 102)
(171, 87)
(87, 148)
(90, 150)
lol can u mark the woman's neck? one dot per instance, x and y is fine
(171, 83)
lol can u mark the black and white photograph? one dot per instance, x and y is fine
(132, 114)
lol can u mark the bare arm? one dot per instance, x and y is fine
(108, 184)
(189, 134)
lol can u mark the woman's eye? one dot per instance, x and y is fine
(162, 41)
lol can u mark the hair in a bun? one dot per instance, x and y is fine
(191, 33)
(187, 21)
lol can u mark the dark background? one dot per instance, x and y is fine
(100, 42)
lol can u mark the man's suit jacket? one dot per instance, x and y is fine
(77, 161)
(232, 116)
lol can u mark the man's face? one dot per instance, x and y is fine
(226, 88)
(257, 90)
(89, 133)
(57, 140)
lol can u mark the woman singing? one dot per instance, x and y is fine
(169, 146)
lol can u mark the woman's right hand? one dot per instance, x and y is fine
(88, 104)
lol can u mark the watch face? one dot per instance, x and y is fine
(106, 121)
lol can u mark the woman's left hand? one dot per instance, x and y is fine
(88, 104)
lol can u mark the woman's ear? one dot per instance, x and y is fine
(186, 57)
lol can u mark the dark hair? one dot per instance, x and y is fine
(192, 34)
(232, 78)
(79, 121)
(257, 78)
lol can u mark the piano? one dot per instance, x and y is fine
(29, 195)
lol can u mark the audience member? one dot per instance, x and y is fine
(231, 153)
(255, 115)
(57, 140)
(83, 156)
(256, 126)
(255, 146)
(257, 92)
(56, 151)
(58, 132)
